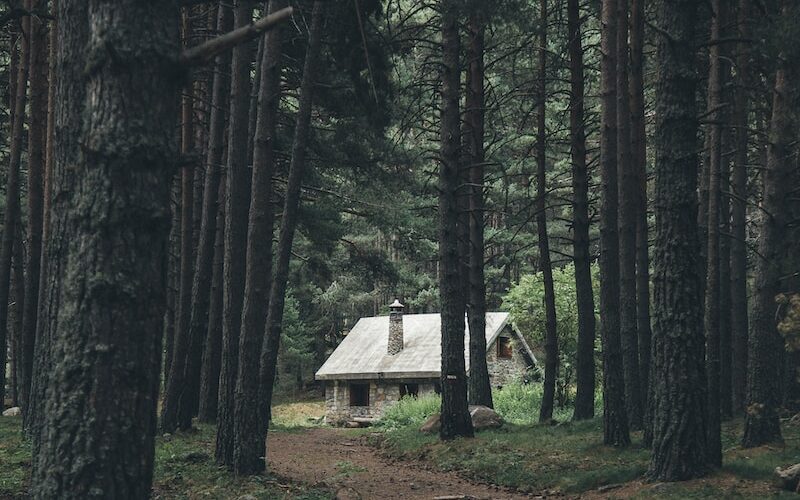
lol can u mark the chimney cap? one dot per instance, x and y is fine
(396, 306)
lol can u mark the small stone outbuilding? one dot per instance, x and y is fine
(385, 358)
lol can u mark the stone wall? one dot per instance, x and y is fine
(382, 395)
(503, 371)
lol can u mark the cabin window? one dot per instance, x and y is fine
(359, 394)
(409, 390)
(504, 348)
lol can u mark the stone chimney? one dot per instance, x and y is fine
(395, 327)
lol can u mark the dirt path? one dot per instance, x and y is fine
(357, 471)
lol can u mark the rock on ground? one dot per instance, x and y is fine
(482, 417)
(788, 478)
(12, 412)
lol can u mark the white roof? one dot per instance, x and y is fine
(363, 352)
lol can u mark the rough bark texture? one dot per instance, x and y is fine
(212, 361)
(739, 321)
(615, 418)
(174, 411)
(269, 353)
(679, 406)
(551, 335)
(37, 130)
(479, 390)
(455, 417)
(115, 122)
(237, 202)
(712, 312)
(639, 160)
(15, 317)
(11, 215)
(585, 366)
(765, 345)
(248, 439)
(628, 194)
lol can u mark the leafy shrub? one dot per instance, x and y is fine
(411, 411)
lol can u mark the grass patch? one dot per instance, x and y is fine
(298, 414)
(184, 469)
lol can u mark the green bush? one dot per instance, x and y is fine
(411, 411)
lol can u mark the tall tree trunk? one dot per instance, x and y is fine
(765, 345)
(248, 438)
(551, 335)
(639, 160)
(201, 285)
(741, 106)
(102, 388)
(615, 418)
(174, 410)
(585, 366)
(37, 144)
(628, 195)
(12, 215)
(712, 295)
(269, 353)
(455, 417)
(237, 203)
(15, 316)
(479, 390)
(173, 269)
(209, 376)
(679, 415)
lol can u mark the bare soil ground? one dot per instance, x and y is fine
(356, 470)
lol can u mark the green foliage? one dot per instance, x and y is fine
(525, 302)
(15, 456)
(410, 411)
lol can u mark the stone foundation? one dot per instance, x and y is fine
(382, 395)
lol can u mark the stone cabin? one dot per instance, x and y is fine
(385, 358)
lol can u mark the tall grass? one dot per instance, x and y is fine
(517, 403)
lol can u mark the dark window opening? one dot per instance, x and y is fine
(409, 390)
(437, 388)
(359, 394)
(504, 348)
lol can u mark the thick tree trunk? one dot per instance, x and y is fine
(741, 106)
(479, 390)
(455, 417)
(237, 203)
(628, 206)
(11, 215)
(269, 353)
(209, 376)
(15, 316)
(117, 139)
(765, 345)
(679, 405)
(37, 130)
(639, 160)
(551, 335)
(585, 366)
(174, 412)
(712, 312)
(615, 418)
(248, 438)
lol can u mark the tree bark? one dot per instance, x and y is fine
(739, 321)
(679, 405)
(100, 411)
(585, 366)
(712, 295)
(209, 376)
(455, 417)
(248, 438)
(174, 411)
(551, 335)
(269, 353)
(237, 203)
(15, 316)
(615, 418)
(765, 345)
(12, 215)
(628, 194)
(479, 390)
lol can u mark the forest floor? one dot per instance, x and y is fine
(312, 462)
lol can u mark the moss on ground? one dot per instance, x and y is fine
(184, 469)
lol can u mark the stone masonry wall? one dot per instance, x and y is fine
(503, 371)
(382, 395)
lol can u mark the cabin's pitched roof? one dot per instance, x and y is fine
(362, 354)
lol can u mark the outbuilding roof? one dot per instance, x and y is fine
(363, 352)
